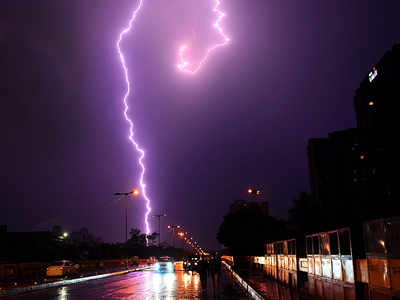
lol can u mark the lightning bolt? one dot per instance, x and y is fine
(184, 65)
(141, 152)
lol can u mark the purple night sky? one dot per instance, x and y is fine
(289, 74)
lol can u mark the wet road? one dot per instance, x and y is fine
(146, 285)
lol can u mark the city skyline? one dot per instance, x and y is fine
(246, 119)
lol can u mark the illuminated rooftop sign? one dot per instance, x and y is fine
(372, 75)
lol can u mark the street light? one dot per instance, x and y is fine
(252, 191)
(159, 226)
(187, 240)
(134, 192)
(182, 235)
(63, 236)
(173, 227)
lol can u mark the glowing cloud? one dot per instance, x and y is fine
(184, 65)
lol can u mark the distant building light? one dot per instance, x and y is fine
(370, 103)
(372, 75)
(362, 156)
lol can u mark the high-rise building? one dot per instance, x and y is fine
(375, 103)
(377, 97)
(318, 163)
(353, 173)
(347, 175)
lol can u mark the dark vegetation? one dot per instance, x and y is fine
(246, 229)
(48, 246)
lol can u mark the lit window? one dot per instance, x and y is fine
(372, 75)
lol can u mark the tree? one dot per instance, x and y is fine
(139, 239)
(246, 229)
(304, 217)
(83, 237)
(152, 238)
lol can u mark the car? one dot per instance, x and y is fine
(152, 260)
(190, 263)
(62, 268)
(165, 264)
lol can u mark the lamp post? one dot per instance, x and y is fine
(134, 192)
(181, 234)
(159, 226)
(256, 195)
(173, 227)
(253, 191)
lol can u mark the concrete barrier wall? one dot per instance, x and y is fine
(250, 290)
(29, 288)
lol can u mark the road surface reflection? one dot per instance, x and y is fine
(147, 285)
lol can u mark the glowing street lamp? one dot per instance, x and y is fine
(135, 193)
(252, 191)
(173, 227)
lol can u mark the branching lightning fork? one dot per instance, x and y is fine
(184, 66)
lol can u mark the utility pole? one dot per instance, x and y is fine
(159, 227)
(126, 195)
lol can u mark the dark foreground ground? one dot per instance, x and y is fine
(147, 285)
